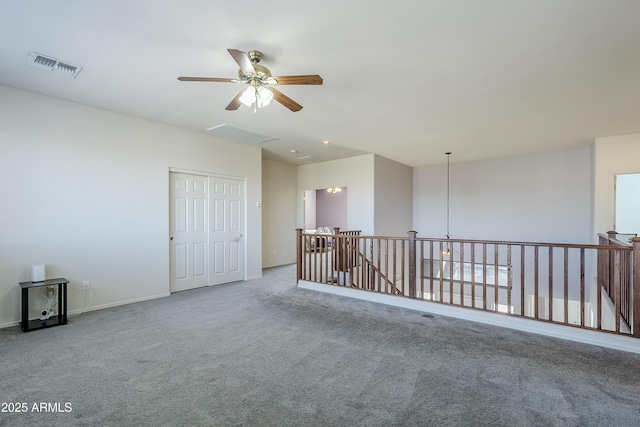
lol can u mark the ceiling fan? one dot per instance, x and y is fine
(260, 81)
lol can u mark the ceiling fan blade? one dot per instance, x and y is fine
(243, 60)
(208, 79)
(312, 79)
(285, 100)
(235, 102)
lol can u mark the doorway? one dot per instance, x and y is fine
(627, 203)
(322, 208)
(206, 230)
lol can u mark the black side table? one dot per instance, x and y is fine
(60, 319)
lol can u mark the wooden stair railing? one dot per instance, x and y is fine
(550, 280)
(613, 280)
(347, 255)
(374, 272)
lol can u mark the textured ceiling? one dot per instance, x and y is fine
(409, 80)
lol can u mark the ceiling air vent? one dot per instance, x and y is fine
(53, 65)
(239, 134)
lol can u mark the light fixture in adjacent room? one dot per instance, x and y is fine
(334, 190)
(447, 248)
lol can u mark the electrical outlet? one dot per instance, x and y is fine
(85, 285)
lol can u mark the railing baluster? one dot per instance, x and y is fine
(395, 261)
(462, 274)
(315, 259)
(473, 275)
(635, 286)
(582, 287)
(509, 280)
(616, 287)
(351, 257)
(378, 275)
(550, 304)
(441, 273)
(496, 288)
(363, 265)
(605, 274)
(411, 246)
(321, 256)
(566, 285)
(386, 267)
(402, 264)
(421, 290)
(431, 270)
(370, 270)
(484, 276)
(451, 252)
(536, 290)
(522, 278)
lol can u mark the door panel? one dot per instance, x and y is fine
(228, 231)
(189, 231)
(180, 261)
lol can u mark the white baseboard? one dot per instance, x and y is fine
(9, 324)
(76, 312)
(116, 304)
(602, 339)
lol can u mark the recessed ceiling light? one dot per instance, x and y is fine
(326, 142)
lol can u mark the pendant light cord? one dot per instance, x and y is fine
(448, 184)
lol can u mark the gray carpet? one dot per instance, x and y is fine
(265, 353)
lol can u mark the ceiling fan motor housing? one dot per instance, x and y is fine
(255, 56)
(261, 75)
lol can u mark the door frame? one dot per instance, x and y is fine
(243, 180)
(615, 200)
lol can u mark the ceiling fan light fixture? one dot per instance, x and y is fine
(261, 96)
(264, 96)
(248, 97)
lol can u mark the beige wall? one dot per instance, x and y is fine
(543, 197)
(393, 186)
(279, 192)
(355, 173)
(86, 192)
(379, 192)
(611, 156)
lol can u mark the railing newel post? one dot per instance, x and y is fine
(635, 286)
(299, 255)
(412, 263)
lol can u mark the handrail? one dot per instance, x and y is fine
(551, 282)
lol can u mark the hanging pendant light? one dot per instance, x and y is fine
(447, 249)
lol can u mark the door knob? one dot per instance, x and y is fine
(171, 238)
